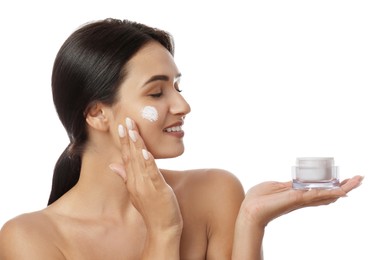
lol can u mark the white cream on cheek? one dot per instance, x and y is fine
(150, 113)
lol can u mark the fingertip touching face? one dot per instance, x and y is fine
(150, 95)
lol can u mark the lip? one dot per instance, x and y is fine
(178, 134)
(178, 123)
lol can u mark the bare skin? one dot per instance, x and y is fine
(270, 200)
(140, 212)
(59, 233)
(124, 207)
(63, 235)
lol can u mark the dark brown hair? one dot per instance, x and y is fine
(89, 68)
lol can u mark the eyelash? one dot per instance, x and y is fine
(156, 95)
(159, 94)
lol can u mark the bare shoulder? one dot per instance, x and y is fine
(210, 200)
(28, 236)
(207, 184)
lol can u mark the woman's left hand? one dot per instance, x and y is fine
(269, 200)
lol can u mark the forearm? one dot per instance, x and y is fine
(163, 246)
(248, 239)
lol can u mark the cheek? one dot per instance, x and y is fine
(150, 126)
(150, 113)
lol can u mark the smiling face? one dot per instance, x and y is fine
(150, 95)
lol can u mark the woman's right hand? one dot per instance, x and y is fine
(149, 193)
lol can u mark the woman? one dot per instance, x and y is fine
(116, 90)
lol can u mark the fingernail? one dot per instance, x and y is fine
(145, 154)
(132, 135)
(118, 170)
(129, 123)
(121, 131)
(113, 168)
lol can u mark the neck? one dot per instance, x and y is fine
(99, 191)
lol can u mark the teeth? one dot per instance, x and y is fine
(173, 129)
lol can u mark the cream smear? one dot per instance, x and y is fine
(150, 113)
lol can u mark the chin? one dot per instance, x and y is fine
(168, 154)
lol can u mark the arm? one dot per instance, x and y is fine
(164, 245)
(225, 197)
(248, 239)
(269, 200)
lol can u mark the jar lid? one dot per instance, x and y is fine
(315, 162)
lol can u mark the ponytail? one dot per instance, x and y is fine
(90, 67)
(66, 174)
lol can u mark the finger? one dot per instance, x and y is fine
(145, 166)
(154, 173)
(352, 183)
(136, 146)
(118, 169)
(135, 138)
(124, 143)
(343, 182)
(127, 156)
(129, 123)
(287, 184)
(320, 196)
(321, 202)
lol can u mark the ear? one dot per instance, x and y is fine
(96, 117)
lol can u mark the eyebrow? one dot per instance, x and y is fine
(161, 78)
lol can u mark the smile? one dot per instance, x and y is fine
(173, 129)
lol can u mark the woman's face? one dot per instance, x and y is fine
(150, 95)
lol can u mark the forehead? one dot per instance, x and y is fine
(151, 59)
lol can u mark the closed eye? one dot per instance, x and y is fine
(156, 95)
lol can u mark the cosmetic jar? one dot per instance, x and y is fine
(315, 173)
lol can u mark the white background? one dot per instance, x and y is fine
(268, 81)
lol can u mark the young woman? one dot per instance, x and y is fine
(116, 90)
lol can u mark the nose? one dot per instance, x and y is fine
(179, 105)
